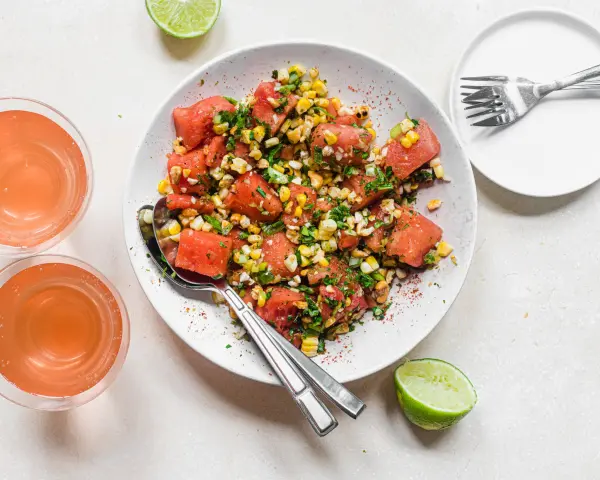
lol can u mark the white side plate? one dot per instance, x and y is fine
(531, 156)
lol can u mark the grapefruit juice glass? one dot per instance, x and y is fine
(45, 177)
(64, 332)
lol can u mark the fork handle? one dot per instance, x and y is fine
(320, 379)
(317, 414)
(569, 80)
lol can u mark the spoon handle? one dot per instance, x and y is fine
(325, 383)
(319, 417)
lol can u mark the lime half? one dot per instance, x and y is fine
(184, 18)
(433, 394)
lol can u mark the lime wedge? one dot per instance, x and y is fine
(184, 18)
(433, 394)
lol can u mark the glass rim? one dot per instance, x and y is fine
(20, 252)
(14, 394)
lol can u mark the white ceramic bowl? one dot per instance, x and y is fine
(417, 305)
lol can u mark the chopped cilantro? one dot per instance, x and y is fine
(243, 235)
(261, 192)
(330, 281)
(221, 244)
(305, 289)
(233, 101)
(272, 228)
(322, 111)
(308, 235)
(230, 146)
(274, 75)
(414, 121)
(318, 155)
(429, 259)
(381, 182)
(422, 176)
(339, 214)
(350, 170)
(216, 224)
(364, 279)
(227, 346)
(321, 347)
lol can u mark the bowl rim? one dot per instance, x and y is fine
(272, 379)
(13, 252)
(14, 394)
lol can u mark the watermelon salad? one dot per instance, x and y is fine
(287, 194)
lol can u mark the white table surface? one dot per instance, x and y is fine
(525, 327)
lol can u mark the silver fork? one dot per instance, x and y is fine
(508, 99)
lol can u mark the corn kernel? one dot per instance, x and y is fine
(262, 266)
(303, 105)
(436, 162)
(323, 262)
(453, 258)
(336, 102)
(319, 87)
(406, 125)
(286, 125)
(444, 249)
(313, 72)
(164, 187)
(262, 298)
(405, 142)
(291, 262)
(301, 199)
(328, 225)
(322, 102)
(294, 165)
(196, 223)
(284, 194)
(372, 132)
(316, 180)
(271, 142)
(259, 133)
(255, 154)
(304, 272)
(316, 120)
(413, 136)
(369, 124)
(310, 345)
(245, 136)
(358, 254)
(439, 171)
(254, 229)
(186, 172)
(434, 205)
(221, 128)
(255, 254)
(304, 262)
(239, 165)
(330, 137)
(298, 69)
(294, 135)
(372, 262)
(305, 86)
(256, 239)
(279, 168)
(306, 251)
(283, 76)
(310, 94)
(175, 174)
(376, 150)
(174, 228)
(298, 211)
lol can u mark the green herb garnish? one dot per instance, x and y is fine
(338, 215)
(233, 101)
(216, 224)
(305, 289)
(308, 235)
(381, 182)
(429, 259)
(318, 155)
(261, 192)
(272, 228)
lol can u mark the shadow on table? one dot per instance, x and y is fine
(523, 204)
(182, 49)
(270, 403)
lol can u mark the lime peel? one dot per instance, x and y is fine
(433, 394)
(184, 18)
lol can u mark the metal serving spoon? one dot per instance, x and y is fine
(292, 367)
